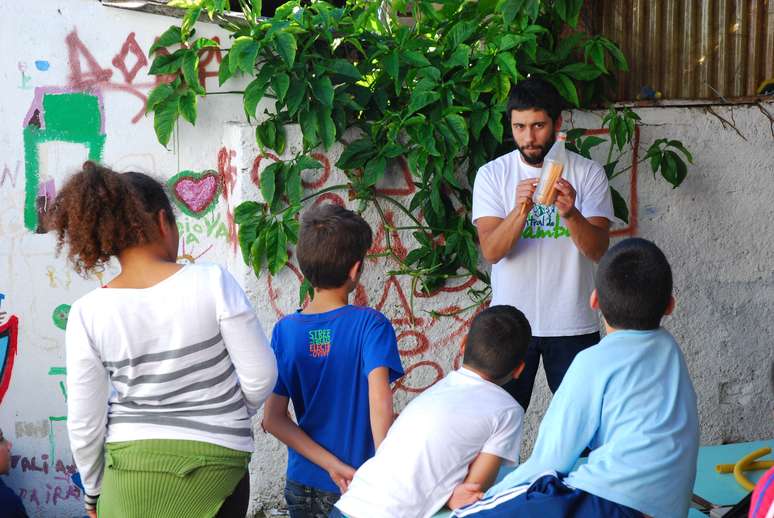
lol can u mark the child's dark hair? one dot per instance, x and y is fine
(634, 284)
(331, 240)
(497, 341)
(535, 94)
(99, 213)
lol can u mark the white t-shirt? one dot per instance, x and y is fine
(184, 359)
(544, 274)
(428, 449)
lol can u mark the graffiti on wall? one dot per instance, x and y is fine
(9, 332)
(196, 194)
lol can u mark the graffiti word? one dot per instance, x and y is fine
(32, 428)
(87, 74)
(54, 494)
(53, 279)
(212, 227)
(187, 256)
(60, 316)
(195, 194)
(25, 79)
(57, 115)
(7, 175)
(42, 65)
(8, 334)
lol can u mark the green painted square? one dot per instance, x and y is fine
(73, 116)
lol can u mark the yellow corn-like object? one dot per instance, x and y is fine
(753, 466)
(743, 464)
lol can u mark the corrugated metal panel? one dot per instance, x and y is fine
(690, 49)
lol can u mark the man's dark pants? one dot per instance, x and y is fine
(558, 353)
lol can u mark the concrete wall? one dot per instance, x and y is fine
(95, 60)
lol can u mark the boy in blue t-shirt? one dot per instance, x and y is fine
(629, 399)
(336, 362)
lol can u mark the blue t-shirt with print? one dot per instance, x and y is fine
(323, 361)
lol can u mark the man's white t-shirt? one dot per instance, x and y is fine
(544, 275)
(428, 449)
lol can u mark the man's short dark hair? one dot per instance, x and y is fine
(497, 341)
(634, 284)
(331, 240)
(535, 94)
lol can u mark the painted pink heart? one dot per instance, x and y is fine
(197, 193)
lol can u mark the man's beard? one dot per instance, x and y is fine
(538, 159)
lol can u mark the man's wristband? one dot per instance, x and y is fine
(90, 501)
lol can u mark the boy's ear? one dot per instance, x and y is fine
(462, 347)
(558, 123)
(162, 220)
(670, 305)
(594, 300)
(355, 271)
(518, 370)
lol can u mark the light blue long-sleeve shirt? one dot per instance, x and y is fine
(631, 400)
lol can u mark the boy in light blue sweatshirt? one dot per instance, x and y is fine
(629, 399)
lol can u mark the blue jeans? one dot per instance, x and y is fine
(558, 352)
(308, 502)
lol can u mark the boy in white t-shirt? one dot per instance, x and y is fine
(447, 445)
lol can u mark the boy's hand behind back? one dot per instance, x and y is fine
(465, 494)
(342, 475)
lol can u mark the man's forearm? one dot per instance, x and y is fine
(497, 243)
(591, 240)
(284, 429)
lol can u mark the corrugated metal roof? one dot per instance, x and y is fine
(690, 49)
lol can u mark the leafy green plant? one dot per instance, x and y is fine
(432, 91)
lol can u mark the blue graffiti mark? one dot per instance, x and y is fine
(42, 65)
(2, 296)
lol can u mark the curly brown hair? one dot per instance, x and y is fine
(99, 213)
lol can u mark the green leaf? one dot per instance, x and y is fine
(293, 185)
(392, 64)
(266, 134)
(307, 162)
(258, 251)
(673, 169)
(305, 290)
(309, 127)
(420, 99)
(459, 58)
(268, 181)
(171, 36)
(295, 96)
(202, 43)
(189, 20)
(280, 83)
(495, 125)
(276, 249)
(327, 127)
(356, 154)
(246, 236)
(581, 71)
(164, 117)
(610, 168)
(414, 58)
(286, 46)
(618, 56)
(588, 143)
(157, 95)
(253, 95)
(243, 54)
(565, 87)
(322, 88)
(224, 70)
(188, 106)
(191, 71)
(510, 9)
(620, 209)
(374, 170)
(597, 53)
(281, 139)
(459, 33)
(672, 143)
(167, 64)
(507, 64)
(345, 68)
(246, 211)
(478, 119)
(459, 127)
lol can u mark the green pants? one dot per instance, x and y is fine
(168, 478)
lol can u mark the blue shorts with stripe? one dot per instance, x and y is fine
(546, 497)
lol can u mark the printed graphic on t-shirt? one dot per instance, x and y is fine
(544, 221)
(319, 342)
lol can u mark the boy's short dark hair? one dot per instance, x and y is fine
(535, 94)
(330, 241)
(634, 284)
(497, 341)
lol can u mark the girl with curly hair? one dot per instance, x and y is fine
(165, 363)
